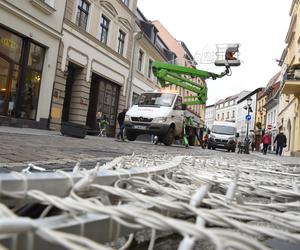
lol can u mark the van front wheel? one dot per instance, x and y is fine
(130, 136)
(169, 137)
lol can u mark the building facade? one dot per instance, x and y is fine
(226, 109)
(148, 47)
(289, 102)
(210, 114)
(271, 106)
(183, 58)
(94, 62)
(30, 34)
(243, 109)
(260, 117)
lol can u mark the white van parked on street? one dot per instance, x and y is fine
(223, 135)
(156, 113)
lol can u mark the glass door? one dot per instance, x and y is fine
(9, 75)
(4, 85)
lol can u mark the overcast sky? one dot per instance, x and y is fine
(260, 26)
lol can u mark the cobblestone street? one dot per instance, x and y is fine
(48, 148)
(53, 151)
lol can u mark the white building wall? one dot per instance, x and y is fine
(226, 111)
(210, 116)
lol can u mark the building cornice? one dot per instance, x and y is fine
(291, 31)
(154, 47)
(30, 19)
(292, 7)
(287, 106)
(125, 7)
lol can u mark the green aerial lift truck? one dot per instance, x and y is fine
(161, 113)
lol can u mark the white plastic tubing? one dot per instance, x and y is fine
(240, 200)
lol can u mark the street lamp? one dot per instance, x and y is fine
(248, 107)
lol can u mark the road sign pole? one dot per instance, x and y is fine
(248, 120)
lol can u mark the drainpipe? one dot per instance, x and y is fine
(137, 35)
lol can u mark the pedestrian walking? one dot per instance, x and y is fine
(252, 146)
(103, 124)
(252, 139)
(281, 142)
(205, 138)
(266, 140)
(121, 121)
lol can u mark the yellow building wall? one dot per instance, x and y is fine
(289, 110)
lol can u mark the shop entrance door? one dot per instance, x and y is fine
(5, 73)
(9, 73)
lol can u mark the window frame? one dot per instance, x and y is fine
(121, 42)
(126, 2)
(141, 55)
(149, 73)
(80, 10)
(104, 26)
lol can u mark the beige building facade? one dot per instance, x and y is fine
(289, 104)
(183, 58)
(30, 34)
(260, 116)
(147, 49)
(94, 63)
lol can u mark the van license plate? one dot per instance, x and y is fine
(140, 127)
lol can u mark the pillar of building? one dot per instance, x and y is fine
(80, 98)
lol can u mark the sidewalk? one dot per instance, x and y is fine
(28, 131)
(284, 160)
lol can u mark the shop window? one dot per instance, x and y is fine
(32, 82)
(11, 45)
(21, 64)
(36, 57)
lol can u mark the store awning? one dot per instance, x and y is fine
(291, 87)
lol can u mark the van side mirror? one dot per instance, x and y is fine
(237, 135)
(183, 106)
(208, 131)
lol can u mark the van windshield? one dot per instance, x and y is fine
(224, 130)
(156, 99)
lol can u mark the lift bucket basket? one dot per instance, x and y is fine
(227, 55)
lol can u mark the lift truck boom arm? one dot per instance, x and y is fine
(171, 74)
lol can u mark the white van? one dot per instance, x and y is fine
(156, 113)
(222, 135)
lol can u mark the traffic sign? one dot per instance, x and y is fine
(248, 117)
